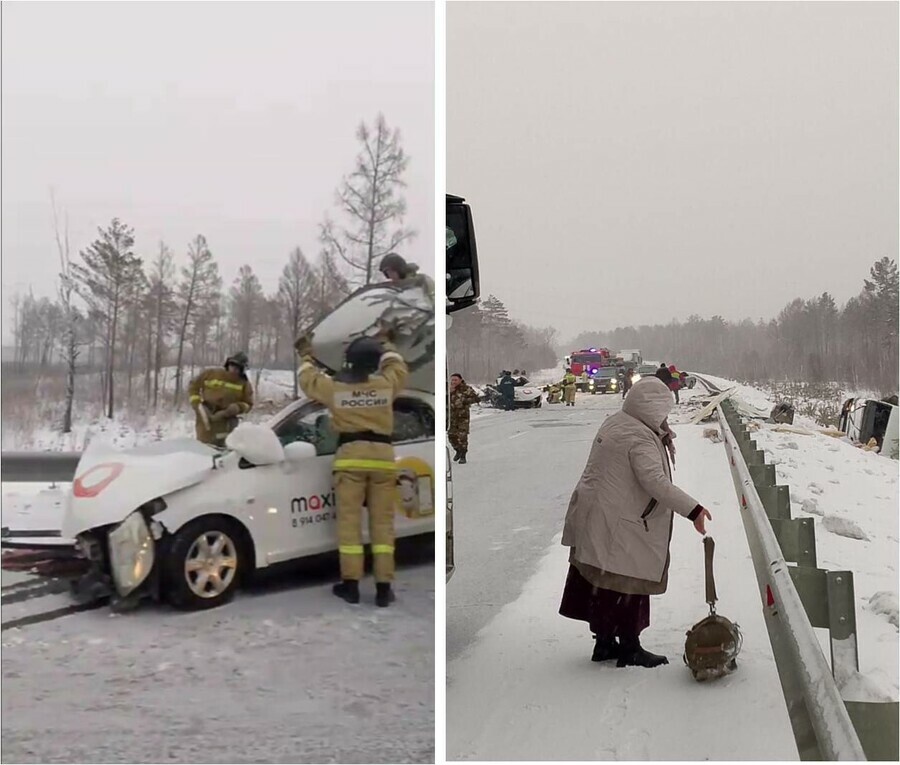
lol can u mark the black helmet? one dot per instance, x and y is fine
(394, 262)
(363, 356)
(239, 359)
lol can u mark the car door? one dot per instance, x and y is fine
(299, 494)
(307, 524)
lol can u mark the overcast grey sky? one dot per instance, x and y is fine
(631, 163)
(234, 120)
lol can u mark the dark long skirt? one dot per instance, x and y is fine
(609, 613)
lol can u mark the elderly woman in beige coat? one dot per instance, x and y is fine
(619, 524)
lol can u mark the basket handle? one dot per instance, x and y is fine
(709, 547)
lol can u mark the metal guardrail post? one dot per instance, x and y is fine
(842, 626)
(821, 723)
(797, 539)
(762, 474)
(877, 725)
(776, 500)
(38, 467)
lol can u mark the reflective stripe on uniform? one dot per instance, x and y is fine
(223, 384)
(195, 399)
(382, 549)
(390, 355)
(350, 549)
(363, 465)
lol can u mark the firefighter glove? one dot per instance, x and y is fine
(386, 331)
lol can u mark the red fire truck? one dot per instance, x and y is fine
(584, 362)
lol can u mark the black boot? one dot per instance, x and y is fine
(633, 655)
(462, 458)
(605, 648)
(347, 590)
(384, 595)
(456, 455)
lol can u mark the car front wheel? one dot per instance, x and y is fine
(205, 564)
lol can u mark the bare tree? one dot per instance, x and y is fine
(370, 198)
(246, 304)
(200, 284)
(106, 282)
(161, 310)
(295, 290)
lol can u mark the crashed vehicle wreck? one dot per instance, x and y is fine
(186, 523)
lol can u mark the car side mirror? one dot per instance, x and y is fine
(298, 451)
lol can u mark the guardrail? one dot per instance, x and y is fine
(797, 598)
(38, 467)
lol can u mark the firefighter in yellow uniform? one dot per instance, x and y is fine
(218, 397)
(568, 384)
(360, 399)
(553, 394)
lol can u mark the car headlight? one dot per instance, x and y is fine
(131, 553)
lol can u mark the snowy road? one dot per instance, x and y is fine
(285, 673)
(521, 685)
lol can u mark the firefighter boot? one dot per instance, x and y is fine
(348, 590)
(461, 458)
(456, 455)
(384, 595)
(633, 655)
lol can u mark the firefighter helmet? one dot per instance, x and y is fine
(363, 356)
(238, 359)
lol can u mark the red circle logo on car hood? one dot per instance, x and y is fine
(95, 480)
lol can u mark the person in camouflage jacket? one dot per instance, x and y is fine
(462, 396)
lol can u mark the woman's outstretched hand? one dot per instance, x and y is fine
(700, 521)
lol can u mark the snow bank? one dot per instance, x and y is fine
(853, 497)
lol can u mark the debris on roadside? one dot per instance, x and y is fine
(712, 434)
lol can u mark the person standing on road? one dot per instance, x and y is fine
(664, 374)
(675, 385)
(568, 384)
(507, 388)
(462, 396)
(364, 469)
(627, 381)
(218, 397)
(619, 524)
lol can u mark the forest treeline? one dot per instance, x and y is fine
(810, 340)
(125, 310)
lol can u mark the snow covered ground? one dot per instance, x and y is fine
(520, 681)
(285, 673)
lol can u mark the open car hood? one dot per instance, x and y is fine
(111, 483)
(409, 309)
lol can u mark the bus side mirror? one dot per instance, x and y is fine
(463, 284)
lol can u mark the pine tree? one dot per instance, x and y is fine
(109, 279)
